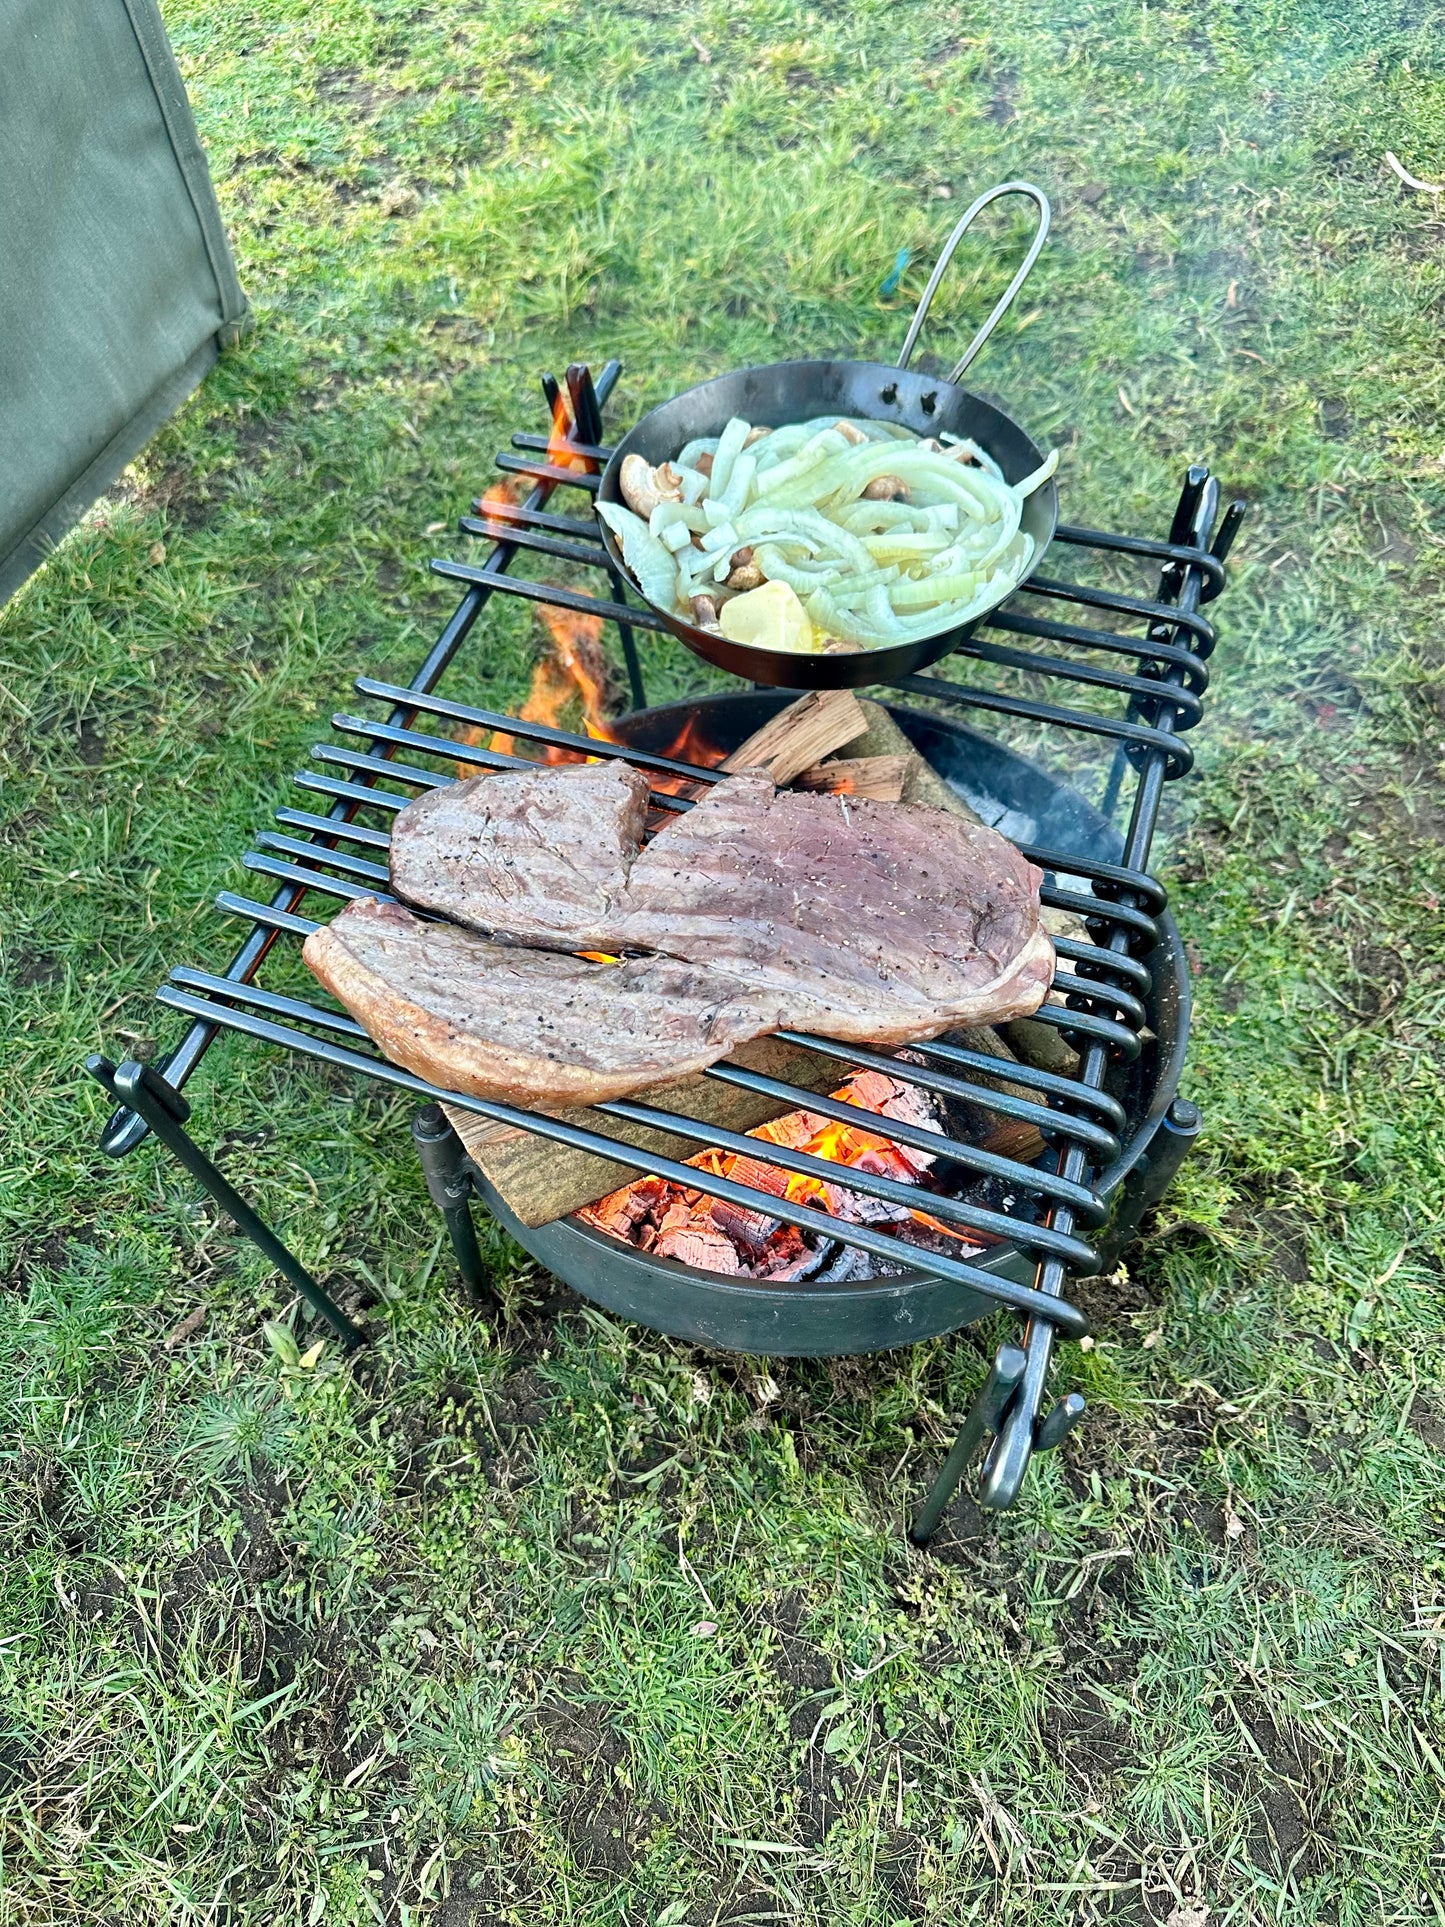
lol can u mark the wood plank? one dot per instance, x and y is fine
(541, 1181)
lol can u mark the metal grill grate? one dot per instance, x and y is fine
(324, 855)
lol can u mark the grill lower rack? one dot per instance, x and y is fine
(1114, 1131)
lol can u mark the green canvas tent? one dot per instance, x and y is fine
(117, 288)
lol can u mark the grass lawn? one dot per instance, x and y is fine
(413, 1638)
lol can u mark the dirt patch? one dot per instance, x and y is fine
(1089, 1742)
(603, 1827)
(1001, 108)
(1427, 1422)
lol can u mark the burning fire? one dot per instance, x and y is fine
(573, 676)
(560, 451)
(715, 1236)
(572, 673)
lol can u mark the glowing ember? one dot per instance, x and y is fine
(712, 1235)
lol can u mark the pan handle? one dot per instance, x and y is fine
(1041, 201)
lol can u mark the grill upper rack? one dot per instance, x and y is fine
(327, 853)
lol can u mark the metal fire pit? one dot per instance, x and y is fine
(805, 1319)
(1126, 671)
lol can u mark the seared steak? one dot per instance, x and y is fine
(530, 855)
(527, 1026)
(870, 922)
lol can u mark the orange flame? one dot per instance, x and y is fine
(503, 493)
(559, 447)
(573, 671)
(846, 1145)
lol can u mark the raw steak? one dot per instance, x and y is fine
(866, 921)
(527, 1026)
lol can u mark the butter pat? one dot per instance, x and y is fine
(771, 617)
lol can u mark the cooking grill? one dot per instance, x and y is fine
(1114, 1130)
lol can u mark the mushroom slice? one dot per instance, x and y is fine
(643, 486)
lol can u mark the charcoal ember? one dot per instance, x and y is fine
(792, 1131)
(854, 1207)
(848, 1265)
(789, 1255)
(700, 1246)
(874, 1091)
(925, 1238)
(749, 1230)
(760, 1176)
(623, 1211)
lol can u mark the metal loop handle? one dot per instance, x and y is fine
(920, 314)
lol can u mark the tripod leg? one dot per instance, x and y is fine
(146, 1092)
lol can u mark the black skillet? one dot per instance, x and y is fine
(795, 391)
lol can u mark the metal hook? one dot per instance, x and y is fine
(1041, 200)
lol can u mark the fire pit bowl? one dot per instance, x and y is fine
(817, 1320)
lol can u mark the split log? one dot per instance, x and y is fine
(801, 735)
(921, 783)
(880, 778)
(539, 1180)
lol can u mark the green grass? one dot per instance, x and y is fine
(414, 1638)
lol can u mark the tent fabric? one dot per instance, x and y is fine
(117, 287)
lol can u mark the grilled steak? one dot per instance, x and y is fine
(869, 922)
(530, 855)
(872, 922)
(527, 1026)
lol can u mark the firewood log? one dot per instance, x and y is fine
(801, 735)
(880, 778)
(540, 1180)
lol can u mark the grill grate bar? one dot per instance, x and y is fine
(1093, 954)
(1003, 1290)
(1123, 914)
(308, 879)
(876, 1123)
(1187, 704)
(422, 779)
(328, 826)
(1049, 1123)
(1096, 990)
(560, 550)
(544, 443)
(583, 605)
(339, 860)
(1180, 756)
(523, 517)
(1168, 614)
(547, 472)
(1142, 648)
(543, 733)
(1209, 564)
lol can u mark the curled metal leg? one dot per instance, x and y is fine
(988, 1407)
(1023, 1432)
(449, 1184)
(146, 1093)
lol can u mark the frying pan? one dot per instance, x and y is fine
(795, 391)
